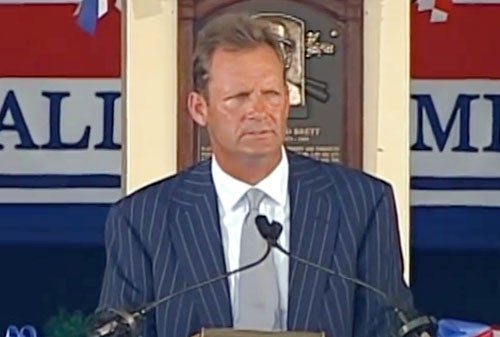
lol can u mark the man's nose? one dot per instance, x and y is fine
(258, 106)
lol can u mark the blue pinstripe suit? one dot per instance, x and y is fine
(166, 237)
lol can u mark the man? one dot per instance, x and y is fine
(192, 227)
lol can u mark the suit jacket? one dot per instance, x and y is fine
(167, 237)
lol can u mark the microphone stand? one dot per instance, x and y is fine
(419, 326)
(124, 323)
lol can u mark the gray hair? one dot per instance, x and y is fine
(232, 32)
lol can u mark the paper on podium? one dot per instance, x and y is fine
(251, 333)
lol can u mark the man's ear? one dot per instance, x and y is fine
(197, 106)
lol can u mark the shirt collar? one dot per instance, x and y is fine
(230, 190)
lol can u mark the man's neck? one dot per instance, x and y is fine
(250, 171)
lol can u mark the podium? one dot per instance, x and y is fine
(251, 333)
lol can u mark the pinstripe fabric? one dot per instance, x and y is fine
(167, 237)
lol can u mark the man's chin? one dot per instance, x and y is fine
(263, 151)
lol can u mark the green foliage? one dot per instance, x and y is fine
(66, 324)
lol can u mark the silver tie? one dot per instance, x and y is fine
(258, 293)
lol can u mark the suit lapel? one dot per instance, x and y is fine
(199, 245)
(314, 227)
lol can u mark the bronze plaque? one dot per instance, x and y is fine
(322, 49)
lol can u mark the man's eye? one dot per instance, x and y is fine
(239, 96)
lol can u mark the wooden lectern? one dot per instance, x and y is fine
(250, 333)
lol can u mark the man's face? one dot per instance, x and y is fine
(247, 107)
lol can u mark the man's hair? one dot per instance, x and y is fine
(232, 32)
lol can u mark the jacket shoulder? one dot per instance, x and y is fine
(343, 176)
(162, 189)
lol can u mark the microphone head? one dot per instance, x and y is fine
(276, 229)
(263, 226)
(110, 322)
(269, 231)
(414, 324)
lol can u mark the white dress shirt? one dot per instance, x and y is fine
(232, 211)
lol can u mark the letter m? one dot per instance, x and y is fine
(425, 106)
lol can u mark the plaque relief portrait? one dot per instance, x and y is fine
(290, 31)
(297, 46)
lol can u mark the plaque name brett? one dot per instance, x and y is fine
(303, 140)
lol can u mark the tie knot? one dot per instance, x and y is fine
(255, 197)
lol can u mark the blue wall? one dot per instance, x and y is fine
(37, 280)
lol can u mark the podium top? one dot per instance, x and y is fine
(252, 333)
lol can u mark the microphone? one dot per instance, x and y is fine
(119, 322)
(413, 324)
